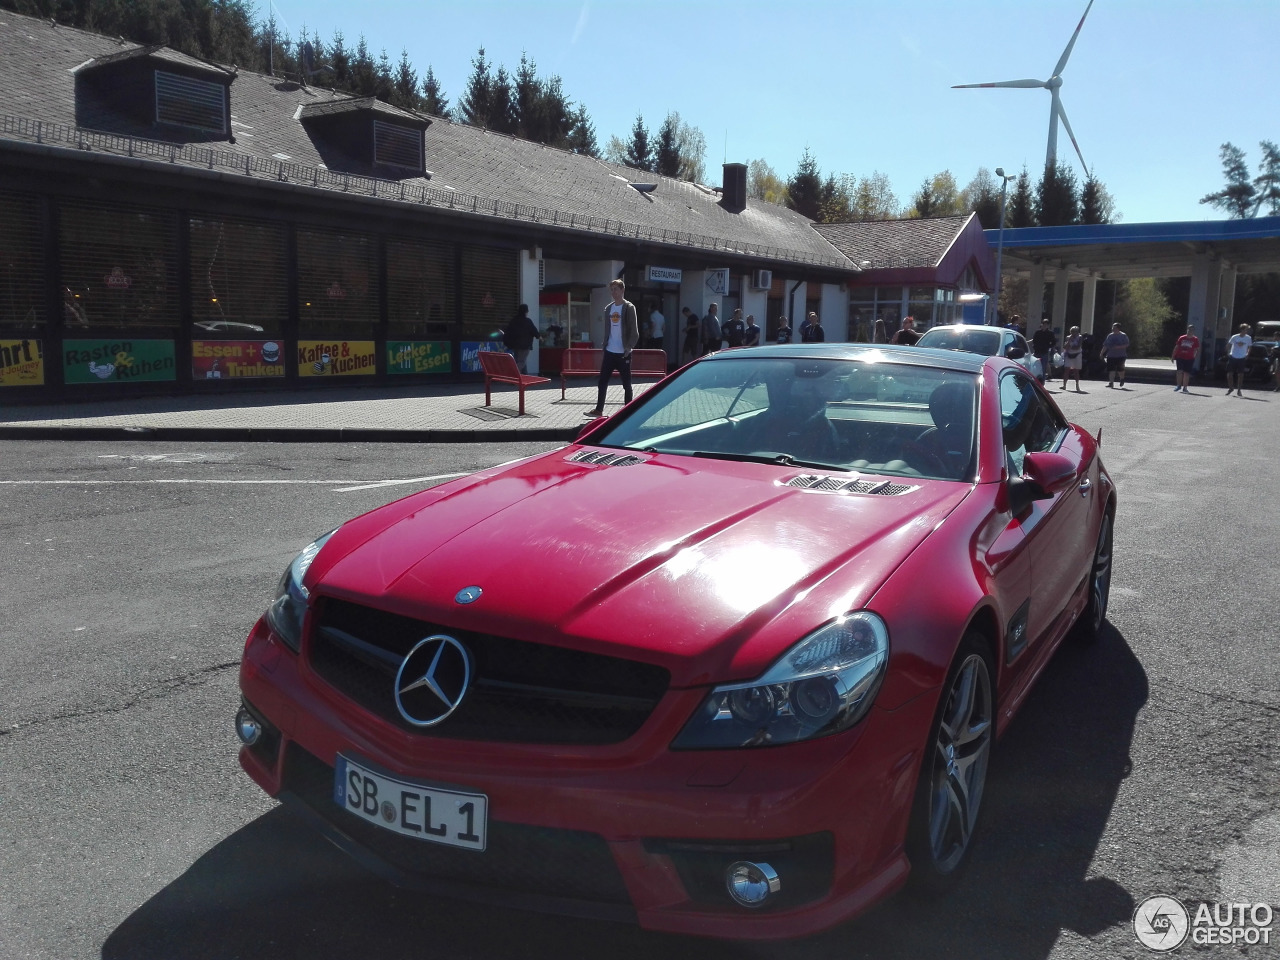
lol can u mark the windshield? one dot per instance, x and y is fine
(849, 415)
(984, 342)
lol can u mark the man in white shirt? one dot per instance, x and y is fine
(657, 327)
(622, 333)
(1238, 351)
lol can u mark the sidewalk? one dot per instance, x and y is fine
(452, 413)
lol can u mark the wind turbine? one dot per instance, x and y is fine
(1053, 84)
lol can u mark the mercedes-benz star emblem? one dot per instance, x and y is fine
(432, 680)
(468, 595)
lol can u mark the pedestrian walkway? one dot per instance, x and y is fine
(443, 414)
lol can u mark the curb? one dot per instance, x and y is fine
(288, 434)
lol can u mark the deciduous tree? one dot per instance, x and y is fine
(763, 183)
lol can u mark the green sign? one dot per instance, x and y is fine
(129, 361)
(418, 356)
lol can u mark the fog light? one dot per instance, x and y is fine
(750, 884)
(248, 729)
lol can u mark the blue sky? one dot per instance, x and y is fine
(1152, 89)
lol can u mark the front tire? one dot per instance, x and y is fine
(1094, 615)
(953, 774)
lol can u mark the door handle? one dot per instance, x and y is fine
(1085, 486)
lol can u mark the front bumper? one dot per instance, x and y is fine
(632, 831)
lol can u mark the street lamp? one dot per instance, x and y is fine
(1004, 188)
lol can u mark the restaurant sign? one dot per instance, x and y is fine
(133, 361)
(665, 275)
(418, 356)
(336, 358)
(236, 359)
(21, 363)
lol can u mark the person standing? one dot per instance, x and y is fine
(519, 336)
(1184, 358)
(711, 329)
(880, 333)
(622, 333)
(1042, 343)
(733, 329)
(1114, 350)
(691, 323)
(1237, 352)
(657, 328)
(751, 336)
(811, 330)
(1072, 357)
(784, 330)
(906, 335)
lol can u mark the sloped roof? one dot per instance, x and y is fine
(163, 54)
(890, 244)
(363, 105)
(475, 172)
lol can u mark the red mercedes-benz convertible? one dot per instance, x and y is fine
(731, 664)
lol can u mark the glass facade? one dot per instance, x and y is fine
(239, 287)
(22, 303)
(875, 313)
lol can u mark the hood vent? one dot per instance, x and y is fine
(606, 459)
(880, 488)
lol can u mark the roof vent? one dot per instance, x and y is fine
(397, 146)
(187, 102)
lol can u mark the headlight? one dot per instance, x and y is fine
(290, 605)
(822, 685)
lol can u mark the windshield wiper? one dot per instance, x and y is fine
(780, 459)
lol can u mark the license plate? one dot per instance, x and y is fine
(411, 809)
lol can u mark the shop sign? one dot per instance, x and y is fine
(335, 291)
(665, 274)
(718, 281)
(21, 363)
(336, 358)
(94, 361)
(471, 353)
(117, 280)
(487, 300)
(236, 359)
(419, 356)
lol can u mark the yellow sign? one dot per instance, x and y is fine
(21, 363)
(336, 358)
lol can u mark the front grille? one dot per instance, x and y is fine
(520, 692)
(518, 858)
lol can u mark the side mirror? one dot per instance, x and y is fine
(587, 428)
(1051, 471)
(1014, 352)
(1023, 491)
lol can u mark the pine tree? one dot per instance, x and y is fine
(1096, 205)
(582, 134)
(502, 111)
(384, 87)
(474, 106)
(666, 159)
(1267, 182)
(1057, 199)
(1238, 196)
(804, 189)
(639, 154)
(924, 203)
(982, 197)
(1021, 210)
(434, 101)
(837, 200)
(340, 60)
(405, 84)
(364, 79)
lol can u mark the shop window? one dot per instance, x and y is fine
(337, 285)
(420, 290)
(21, 262)
(119, 266)
(490, 291)
(238, 286)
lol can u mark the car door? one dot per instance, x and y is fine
(1053, 526)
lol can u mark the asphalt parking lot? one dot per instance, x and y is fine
(132, 569)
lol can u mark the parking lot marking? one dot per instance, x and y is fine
(394, 483)
(346, 488)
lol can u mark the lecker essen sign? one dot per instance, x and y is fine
(336, 358)
(665, 274)
(97, 361)
(236, 359)
(21, 363)
(418, 356)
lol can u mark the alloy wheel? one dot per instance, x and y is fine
(1100, 583)
(961, 751)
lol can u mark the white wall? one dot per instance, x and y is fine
(529, 294)
(834, 311)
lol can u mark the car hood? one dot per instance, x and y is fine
(708, 568)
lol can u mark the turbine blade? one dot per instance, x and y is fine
(1002, 83)
(1062, 61)
(1062, 114)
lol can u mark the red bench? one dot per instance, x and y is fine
(501, 368)
(585, 362)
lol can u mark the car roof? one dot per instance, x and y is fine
(865, 352)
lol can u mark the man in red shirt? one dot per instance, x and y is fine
(1184, 356)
